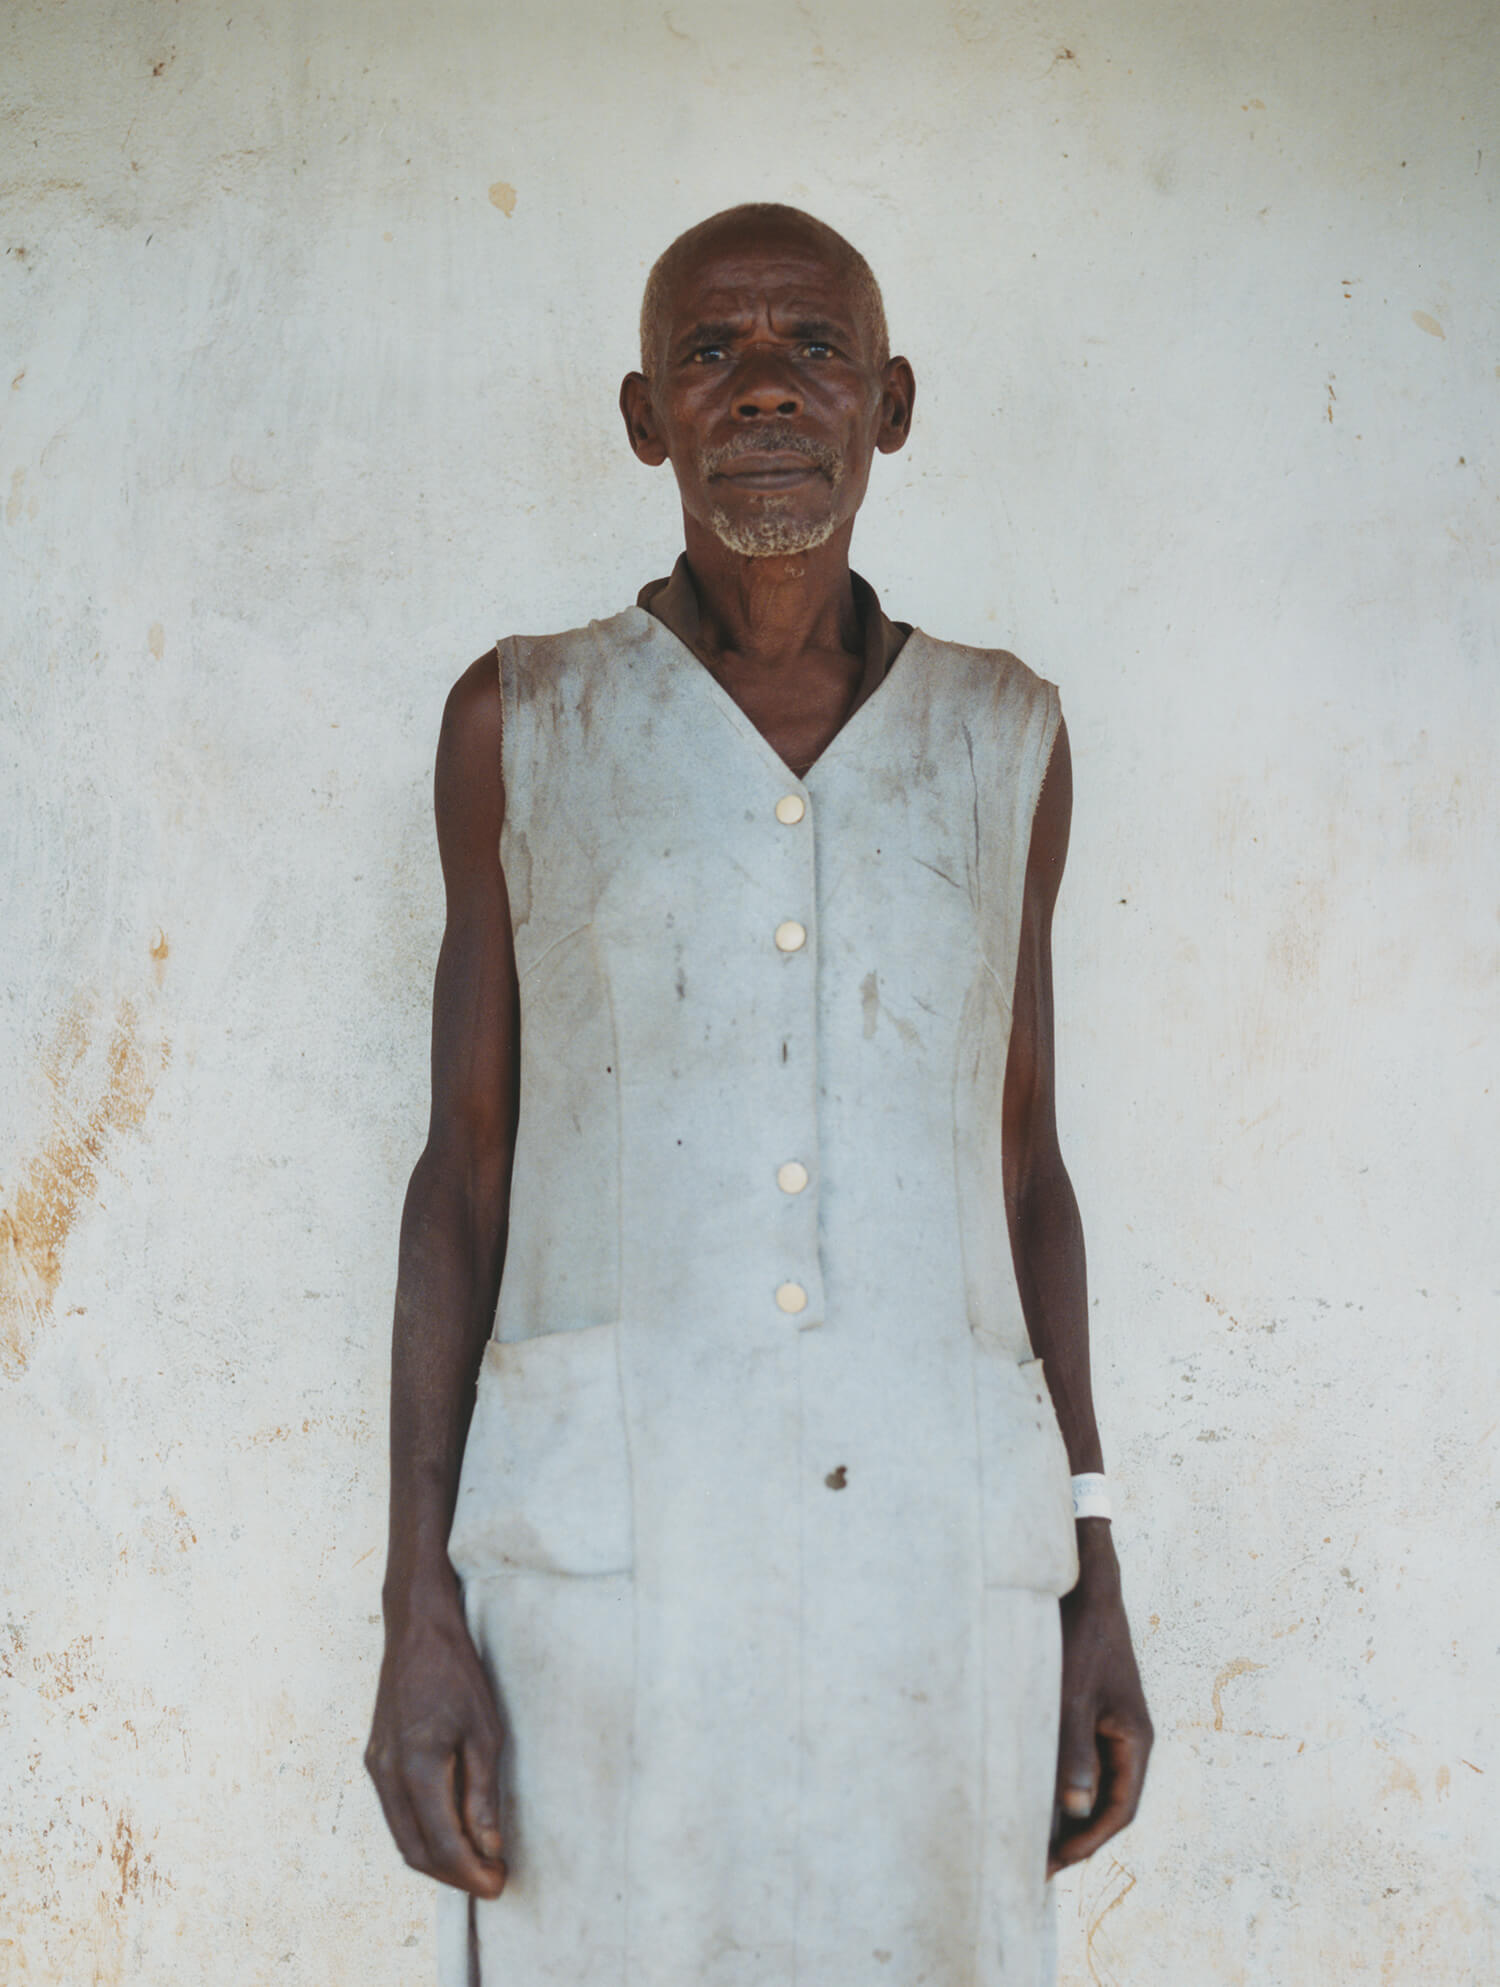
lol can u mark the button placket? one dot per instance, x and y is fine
(798, 1292)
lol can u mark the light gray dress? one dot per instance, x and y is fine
(764, 1509)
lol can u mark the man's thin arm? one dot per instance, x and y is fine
(1105, 1734)
(1046, 1230)
(454, 1222)
(436, 1737)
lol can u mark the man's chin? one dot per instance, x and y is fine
(770, 537)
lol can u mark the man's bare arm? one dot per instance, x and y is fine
(436, 1736)
(1106, 1735)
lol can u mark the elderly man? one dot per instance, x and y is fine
(729, 1616)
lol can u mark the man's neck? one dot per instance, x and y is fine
(768, 612)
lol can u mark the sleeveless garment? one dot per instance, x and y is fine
(768, 1595)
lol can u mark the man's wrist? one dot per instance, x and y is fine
(418, 1575)
(1098, 1568)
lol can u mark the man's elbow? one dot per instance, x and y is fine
(463, 1174)
(1041, 1197)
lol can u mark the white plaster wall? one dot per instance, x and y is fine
(314, 317)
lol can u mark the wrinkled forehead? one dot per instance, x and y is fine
(734, 277)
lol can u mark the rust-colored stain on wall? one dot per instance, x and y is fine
(130, 1865)
(62, 1670)
(1241, 1666)
(1122, 1882)
(90, 1107)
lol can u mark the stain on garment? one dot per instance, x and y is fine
(16, 502)
(1428, 324)
(503, 196)
(91, 1106)
(518, 881)
(838, 1479)
(156, 640)
(869, 994)
(160, 953)
(869, 997)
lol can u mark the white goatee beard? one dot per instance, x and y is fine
(771, 533)
(770, 537)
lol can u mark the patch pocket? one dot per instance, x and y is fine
(545, 1485)
(1029, 1540)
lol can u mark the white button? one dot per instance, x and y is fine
(790, 809)
(791, 1177)
(791, 1297)
(791, 937)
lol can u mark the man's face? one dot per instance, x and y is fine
(766, 396)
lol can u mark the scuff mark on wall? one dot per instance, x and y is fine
(347, 1427)
(96, 1852)
(1107, 1895)
(1400, 1780)
(1241, 1666)
(90, 1109)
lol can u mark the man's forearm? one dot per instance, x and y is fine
(452, 1249)
(1051, 1274)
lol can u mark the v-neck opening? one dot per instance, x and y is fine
(742, 720)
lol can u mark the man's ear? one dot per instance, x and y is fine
(898, 396)
(640, 420)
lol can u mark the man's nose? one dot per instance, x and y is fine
(765, 387)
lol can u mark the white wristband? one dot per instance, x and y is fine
(1091, 1496)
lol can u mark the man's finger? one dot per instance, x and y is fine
(405, 1830)
(1077, 1765)
(1125, 1775)
(481, 1800)
(453, 1858)
(1126, 1751)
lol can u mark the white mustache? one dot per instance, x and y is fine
(772, 441)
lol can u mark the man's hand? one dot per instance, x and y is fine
(434, 1751)
(1106, 1735)
(435, 1745)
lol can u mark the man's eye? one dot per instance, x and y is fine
(818, 348)
(705, 354)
